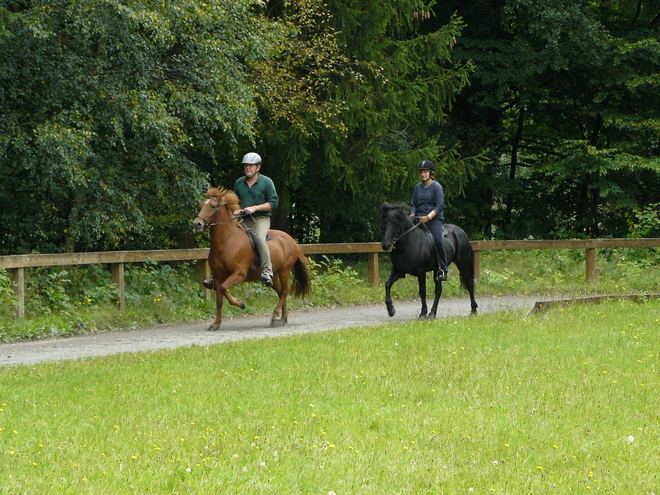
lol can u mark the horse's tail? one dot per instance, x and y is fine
(467, 274)
(302, 284)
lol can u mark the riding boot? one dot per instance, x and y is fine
(209, 283)
(442, 271)
(266, 279)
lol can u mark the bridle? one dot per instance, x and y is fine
(216, 207)
(410, 229)
(406, 232)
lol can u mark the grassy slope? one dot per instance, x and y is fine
(562, 402)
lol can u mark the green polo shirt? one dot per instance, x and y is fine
(262, 191)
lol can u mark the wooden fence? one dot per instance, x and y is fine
(16, 264)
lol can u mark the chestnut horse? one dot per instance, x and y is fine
(231, 256)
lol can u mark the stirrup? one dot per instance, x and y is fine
(442, 276)
(266, 279)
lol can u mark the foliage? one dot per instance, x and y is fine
(154, 281)
(401, 83)
(359, 94)
(56, 290)
(647, 222)
(102, 119)
(542, 117)
(7, 298)
(332, 280)
(563, 95)
(485, 404)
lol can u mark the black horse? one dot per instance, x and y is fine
(413, 252)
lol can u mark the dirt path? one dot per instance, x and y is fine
(173, 336)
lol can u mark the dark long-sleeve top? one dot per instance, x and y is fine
(427, 199)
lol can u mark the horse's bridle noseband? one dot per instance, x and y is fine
(215, 210)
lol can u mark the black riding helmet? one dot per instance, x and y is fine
(426, 165)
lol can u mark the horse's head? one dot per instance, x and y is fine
(395, 220)
(219, 201)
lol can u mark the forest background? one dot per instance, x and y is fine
(116, 116)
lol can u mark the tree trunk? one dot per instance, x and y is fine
(515, 147)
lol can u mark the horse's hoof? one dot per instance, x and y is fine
(431, 316)
(242, 306)
(277, 323)
(421, 317)
(391, 311)
(213, 328)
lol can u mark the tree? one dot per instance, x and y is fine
(565, 97)
(350, 108)
(106, 105)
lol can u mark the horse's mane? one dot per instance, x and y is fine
(397, 212)
(225, 197)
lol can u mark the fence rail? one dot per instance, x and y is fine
(16, 264)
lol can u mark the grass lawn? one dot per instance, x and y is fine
(565, 401)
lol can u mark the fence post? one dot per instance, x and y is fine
(591, 265)
(117, 275)
(204, 271)
(17, 276)
(372, 269)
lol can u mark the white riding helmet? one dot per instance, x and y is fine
(252, 159)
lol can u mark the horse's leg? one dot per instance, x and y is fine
(468, 282)
(219, 298)
(421, 282)
(281, 286)
(436, 298)
(228, 283)
(222, 290)
(393, 277)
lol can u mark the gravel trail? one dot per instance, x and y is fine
(251, 327)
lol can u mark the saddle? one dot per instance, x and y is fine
(445, 233)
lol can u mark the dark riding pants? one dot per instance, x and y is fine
(435, 226)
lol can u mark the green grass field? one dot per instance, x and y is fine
(565, 401)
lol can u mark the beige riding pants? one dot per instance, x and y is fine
(260, 226)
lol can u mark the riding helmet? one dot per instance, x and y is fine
(252, 159)
(426, 165)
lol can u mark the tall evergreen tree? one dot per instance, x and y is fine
(381, 88)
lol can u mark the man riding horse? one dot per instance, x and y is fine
(258, 198)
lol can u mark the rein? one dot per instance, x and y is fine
(406, 232)
(237, 217)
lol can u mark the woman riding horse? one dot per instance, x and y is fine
(413, 252)
(427, 203)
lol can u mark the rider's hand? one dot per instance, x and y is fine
(237, 212)
(424, 219)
